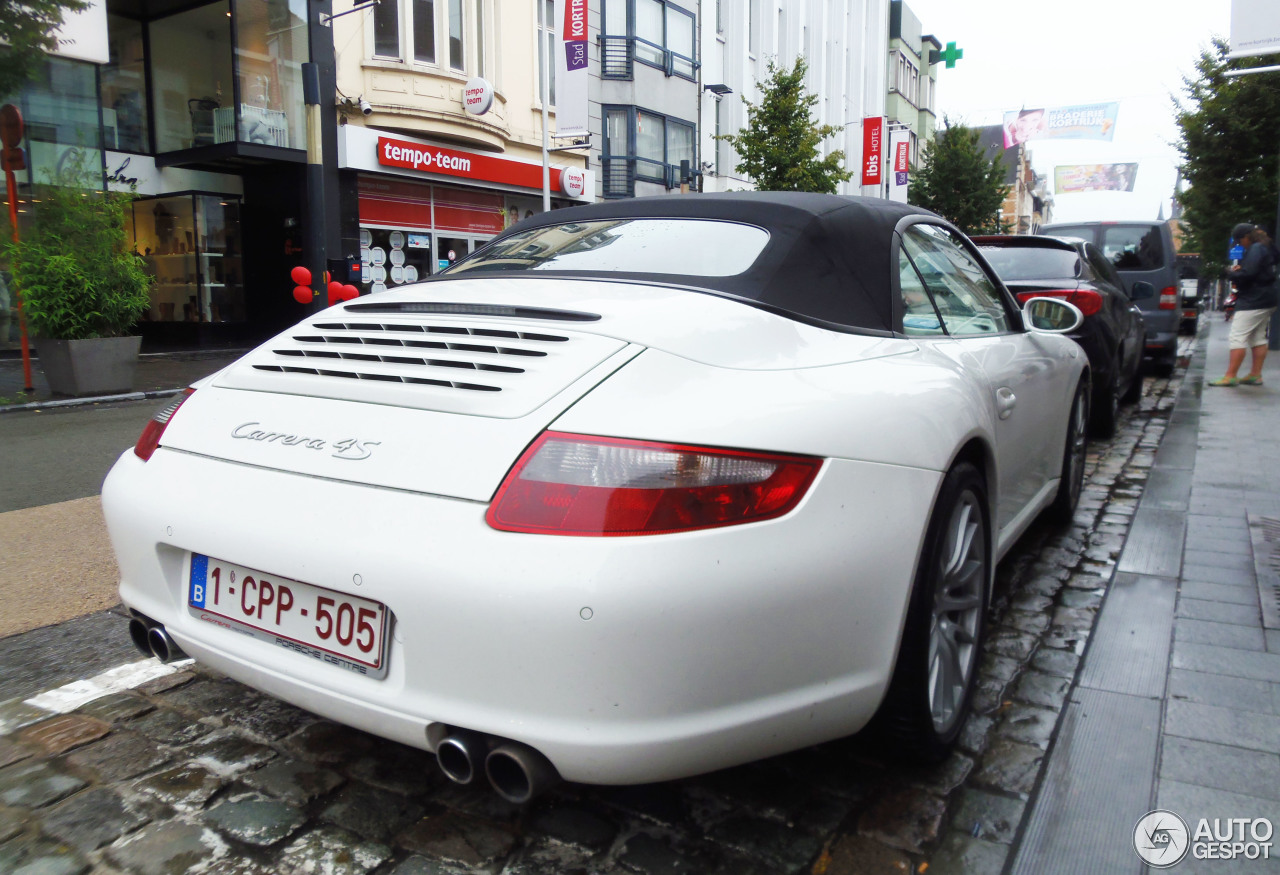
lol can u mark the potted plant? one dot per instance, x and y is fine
(82, 288)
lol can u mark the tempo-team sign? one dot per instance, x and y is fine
(477, 96)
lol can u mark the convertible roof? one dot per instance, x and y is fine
(828, 259)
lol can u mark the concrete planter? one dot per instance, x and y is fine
(100, 366)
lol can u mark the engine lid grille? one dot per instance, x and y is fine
(431, 362)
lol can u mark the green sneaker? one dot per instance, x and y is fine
(1251, 381)
(1224, 381)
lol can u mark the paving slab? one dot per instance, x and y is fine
(1221, 767)
(1232, 726)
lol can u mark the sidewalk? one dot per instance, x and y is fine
(1177, 704)
(158, 375)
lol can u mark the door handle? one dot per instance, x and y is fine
(1005, 402)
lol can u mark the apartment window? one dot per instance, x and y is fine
(547, 48)
(409, 29)
(662, 33)
(645, 145)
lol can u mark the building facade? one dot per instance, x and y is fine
(912, 78)
(845, 43)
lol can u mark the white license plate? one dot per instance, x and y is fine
(330, 626)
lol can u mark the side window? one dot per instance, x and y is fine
(1104, 268)
(965, 296)
(919, 318)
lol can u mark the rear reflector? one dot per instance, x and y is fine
(1168, 298)
(150, 438)
(567, 484)
(1087, 301)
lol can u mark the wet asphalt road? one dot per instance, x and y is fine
(193, 772)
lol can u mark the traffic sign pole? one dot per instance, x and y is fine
(11, 131)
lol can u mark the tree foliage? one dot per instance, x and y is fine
(958, 181)
(73, 266)
(780, 146)
(28, 26)
(1230, 147)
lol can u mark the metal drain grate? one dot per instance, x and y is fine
(1266, 565)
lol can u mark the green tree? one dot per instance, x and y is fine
(28, 26)
(1230, 147)
(960, 182)
(779, 147)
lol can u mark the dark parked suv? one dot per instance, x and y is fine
(1141, 252)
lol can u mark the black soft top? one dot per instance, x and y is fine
(829, 259)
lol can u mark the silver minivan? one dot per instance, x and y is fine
(1141, 252)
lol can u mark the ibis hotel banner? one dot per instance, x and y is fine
(1096, 121)
(571, 68)
(1073, 178)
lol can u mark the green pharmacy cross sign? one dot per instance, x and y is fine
(951, 55)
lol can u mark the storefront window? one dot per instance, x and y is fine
(193, 62)
(191, 88)
(60, 107)
(124, 88)
(272, 46)
(191, 245)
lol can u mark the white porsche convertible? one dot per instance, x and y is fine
(638, 490)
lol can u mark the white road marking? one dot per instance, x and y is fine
(123, 677)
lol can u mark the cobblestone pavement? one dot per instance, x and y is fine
(192, 772)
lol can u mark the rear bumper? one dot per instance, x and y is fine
(702, 650)
(1162, 331)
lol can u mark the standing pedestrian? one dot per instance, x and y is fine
(1256, 298)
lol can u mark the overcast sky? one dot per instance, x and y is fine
(1032, 53)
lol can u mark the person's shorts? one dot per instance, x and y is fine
(1249, 328)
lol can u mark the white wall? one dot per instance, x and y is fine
(846, 43)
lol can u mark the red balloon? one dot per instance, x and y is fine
(303, 294)
(335, 293)
(300, 276)
(350, 293)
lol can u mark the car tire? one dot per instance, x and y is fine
(1133, 392)
(1071, 479)
(931, 690)
(1105, 408)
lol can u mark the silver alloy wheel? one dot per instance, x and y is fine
(956, 615)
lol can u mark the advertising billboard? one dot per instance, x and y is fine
(1073, 178)
(1095, 121)
(1255, 27)
(571, 68)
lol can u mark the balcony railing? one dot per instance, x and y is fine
(618, 55)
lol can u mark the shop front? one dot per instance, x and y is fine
(423, 206)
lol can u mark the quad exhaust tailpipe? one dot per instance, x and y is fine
(517, 772)
(461, 756)
(152, 640)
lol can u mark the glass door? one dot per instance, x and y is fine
(191, 246)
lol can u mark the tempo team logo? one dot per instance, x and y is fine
(1161, 839)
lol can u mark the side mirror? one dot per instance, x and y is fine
(1051, 316)
(1141, 291)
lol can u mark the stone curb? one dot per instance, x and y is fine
(95, 399)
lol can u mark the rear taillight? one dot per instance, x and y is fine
(150, 438)
(1168, 298)
(568, 484)
(1087, 301)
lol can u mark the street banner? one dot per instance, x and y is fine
(571, 68)
(1074, 178)
(1095, 121)
(872, 150)
(1255, 27)
(900, 167)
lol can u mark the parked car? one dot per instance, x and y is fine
(1112, 334)
(1189, 291)
(636, 491)
(1140, 252)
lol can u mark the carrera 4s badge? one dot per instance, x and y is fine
(351, 449)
